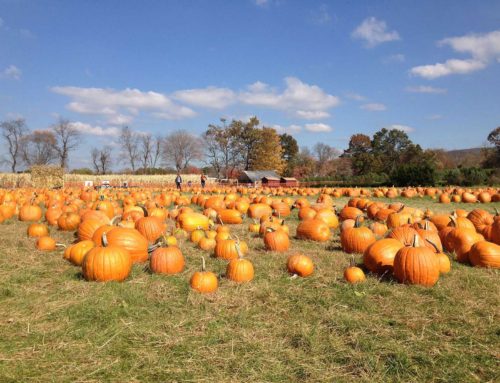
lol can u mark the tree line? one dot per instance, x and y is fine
(226, 148)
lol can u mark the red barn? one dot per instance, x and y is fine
(289, 181)
(271, 181)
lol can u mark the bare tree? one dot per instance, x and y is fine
(129, 142)
(156, 154)
(38, 148)
(101, 159)
(67, 137)
(325, 154)
(180, 148)
(223, 147)
(146, 147)
(13, 132)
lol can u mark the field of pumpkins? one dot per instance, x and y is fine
(386, 253)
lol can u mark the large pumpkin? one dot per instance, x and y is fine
(485, 254)
(131, 240)
(191, 221)
(276, 240)
(313, 229)
(107, 263)
(230, 248)
(356, 239)
(416, 264)
(166, 260)
(379, 256)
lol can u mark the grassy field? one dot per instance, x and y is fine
(56, 327)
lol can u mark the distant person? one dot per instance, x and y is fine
(178, 181)
(203, 181)
(189, 183)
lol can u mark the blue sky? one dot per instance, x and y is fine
(320, 70)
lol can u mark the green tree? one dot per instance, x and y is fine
(267, 152)
(290, 152)
(360, 153)
(388, 145)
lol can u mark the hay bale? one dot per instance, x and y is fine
(47, 176)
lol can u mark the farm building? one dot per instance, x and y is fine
(270, 181)
(254, 177)
(289, 181)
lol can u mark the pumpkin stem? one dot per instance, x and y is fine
(220, 220)
(60, 245)
(203, 263)
(104, 240)
(144, 210)
(416, 241)
(433, 245)
(357, 222)
(115, 220)
(426, 226)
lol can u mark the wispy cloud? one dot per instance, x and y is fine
(321, 16)
(373, 107)
(355, 96)
(210, 97)
(95, 130)
(318, 128)
(11, 72)
(435, 117)
(298, 97)
(404, 128)
(483, 49)
(374, 32)
(425, 89)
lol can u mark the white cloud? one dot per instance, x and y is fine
(318, 128)
(261, 3)
(297, 96)
(12, 72)
(374, 32)
(287, 129)
(95, 130)
(210, 97)
(435, 117)
(312, 114)
(321, 16)
(398, 57)
(355, 96)
(483, 48)
(452, 66)
(374, 107)
(404, 128)
(425, 89)
(122, 105)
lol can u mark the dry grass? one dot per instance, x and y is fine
(56, 327)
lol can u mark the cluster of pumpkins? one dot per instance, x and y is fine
(403, 241)
(443, 195)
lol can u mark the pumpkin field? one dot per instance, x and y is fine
(234, 284)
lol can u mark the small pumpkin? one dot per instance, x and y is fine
(357, 238)
(240, 269)
(166, 260)
(204, 281)
(38, 230)
(276, 240)
(300, 265)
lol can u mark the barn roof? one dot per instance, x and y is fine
(289, 178)
(271, 178)
(257, 175)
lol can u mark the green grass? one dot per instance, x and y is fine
(56, 327)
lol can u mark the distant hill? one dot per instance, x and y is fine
(466, 157)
